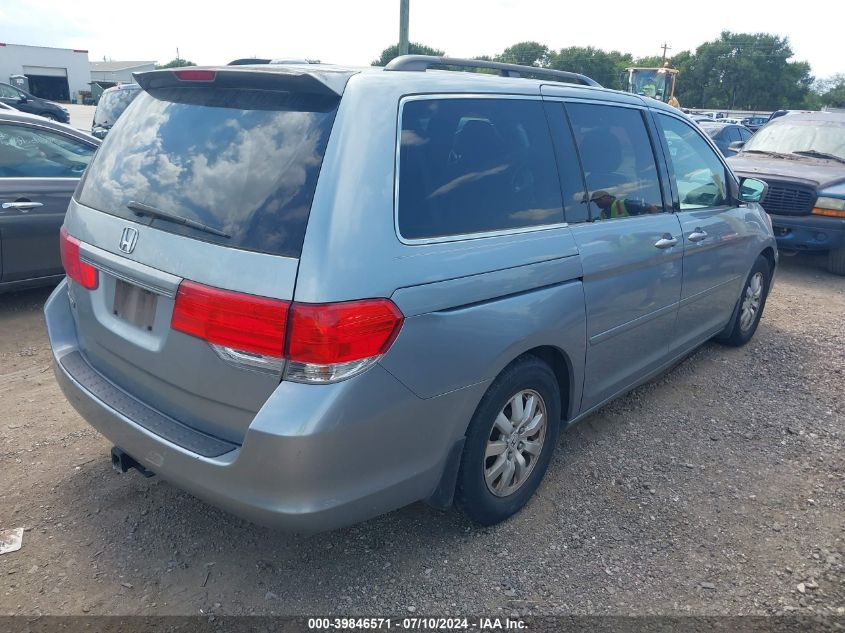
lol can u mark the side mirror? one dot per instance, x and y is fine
(23, 99)
(752, 190)
(736, 145)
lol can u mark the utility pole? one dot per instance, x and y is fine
(177, 52)
(666, 47)
(403, 26)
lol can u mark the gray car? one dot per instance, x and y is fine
(40, 165)
(314, 294)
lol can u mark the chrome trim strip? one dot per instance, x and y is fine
(466, 236)
(133, 272)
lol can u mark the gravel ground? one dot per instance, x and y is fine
(716, 489)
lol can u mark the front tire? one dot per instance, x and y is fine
(836, 261)
(752, 300)
(510, 442)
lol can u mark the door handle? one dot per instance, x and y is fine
(667, 241)
(697, 235)
(23, 206)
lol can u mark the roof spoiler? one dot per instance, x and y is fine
(269, 77)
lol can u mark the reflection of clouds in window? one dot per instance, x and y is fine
(277, 152)
(249, 173)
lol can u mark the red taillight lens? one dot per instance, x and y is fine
(327, 334)
(83, 274)
(242, 322)
(194, 74)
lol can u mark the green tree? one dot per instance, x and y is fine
(831, 91)
(743, 71)
(176, 63)
(597, 64)
(652, 61)
(526, 54)
(392, 52)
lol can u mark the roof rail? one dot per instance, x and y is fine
(421, 63)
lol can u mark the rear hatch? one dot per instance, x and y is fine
(193, 214)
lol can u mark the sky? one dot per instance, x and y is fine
(355, 33)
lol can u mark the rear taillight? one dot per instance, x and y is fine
(241, 322)
(322, 342)
(77, 270)
(330, 342)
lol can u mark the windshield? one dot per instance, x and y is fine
(786, 135)
(243, 162)
(652, 83)
(112, 104)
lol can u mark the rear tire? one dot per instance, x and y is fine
(500, 470)
(752, 300)
(836, 261)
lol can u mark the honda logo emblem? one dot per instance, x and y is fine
(128, 239)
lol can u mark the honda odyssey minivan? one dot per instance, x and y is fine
(311, 294)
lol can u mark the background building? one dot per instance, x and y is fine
(51, 73)
(118, 72)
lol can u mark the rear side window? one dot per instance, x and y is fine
(618, 161)
(475, 165)
(242, 162)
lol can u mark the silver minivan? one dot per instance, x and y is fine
(313, 294)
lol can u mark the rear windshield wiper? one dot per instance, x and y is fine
(815, 154)
(144, 209)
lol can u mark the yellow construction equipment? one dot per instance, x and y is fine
(657, 83)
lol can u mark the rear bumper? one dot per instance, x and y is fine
(316, 457)
(808, 232)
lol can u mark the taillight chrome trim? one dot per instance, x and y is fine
(313, 374)
(248, 360)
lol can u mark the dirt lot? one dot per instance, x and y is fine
(717, 489)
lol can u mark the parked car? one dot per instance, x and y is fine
(802, 158)
(25, 102)
(111, 105)
(309, 320)
(723, 134)
(754, 123)
(40, 165)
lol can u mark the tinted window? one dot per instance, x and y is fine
(475, 165)
(7, 92)
(112, 104)
(244, 162)
(699, 174)
(618, 161)
(27, 152)
(744, 134)
(575, 203)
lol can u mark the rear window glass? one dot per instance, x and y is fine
(241, 162)
(475, 165)
(112, 104)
